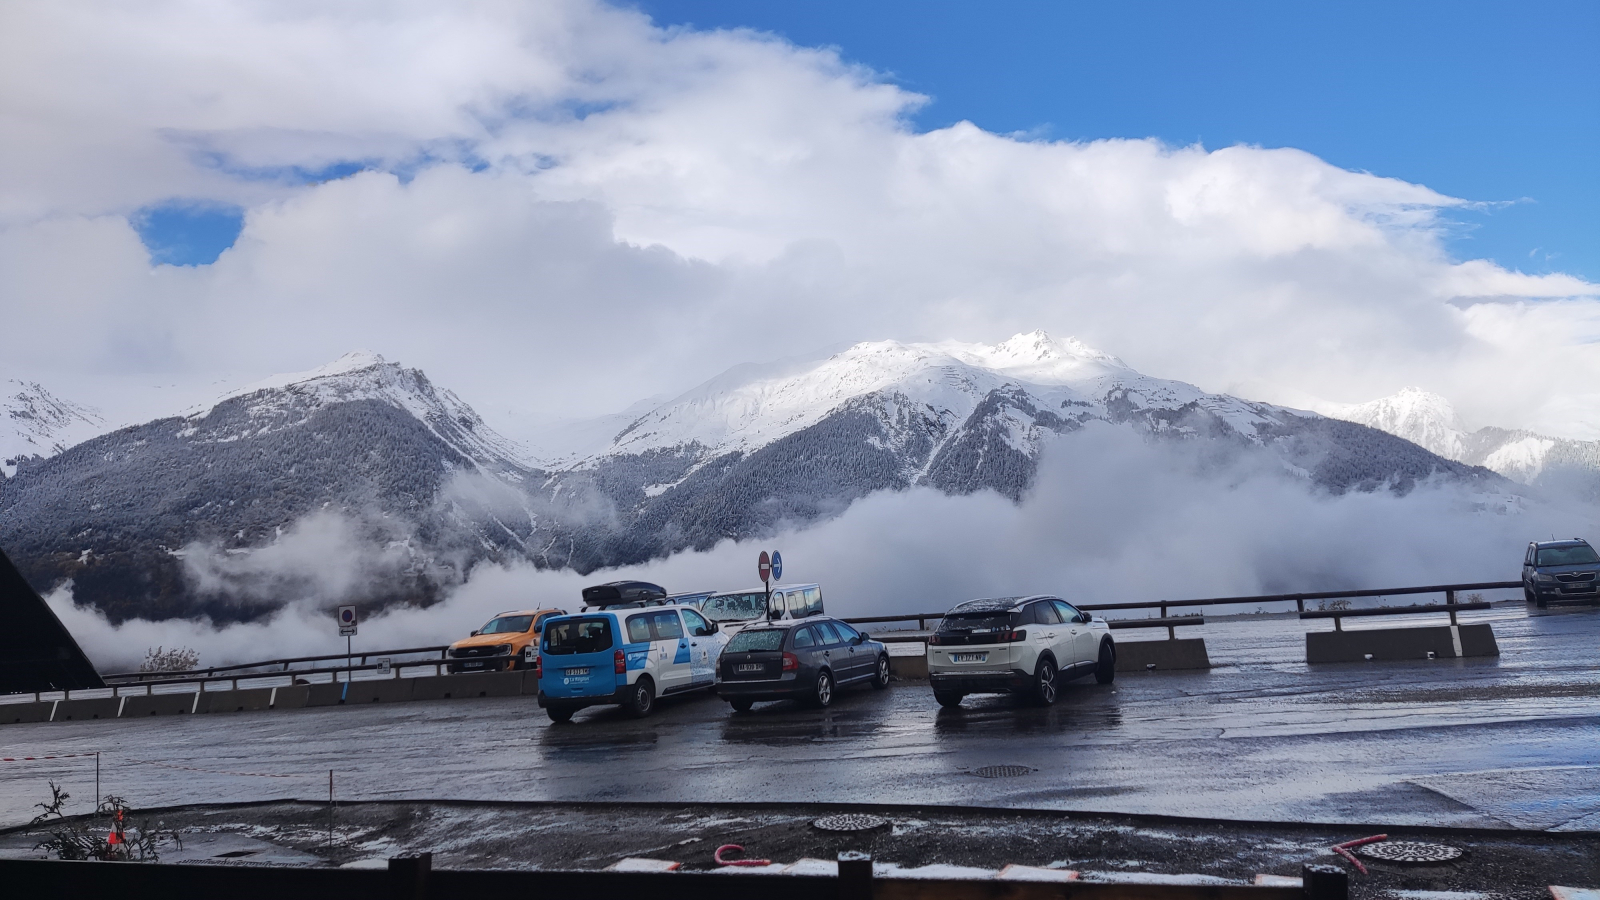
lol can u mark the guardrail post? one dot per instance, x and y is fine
(1450, 600)
(1325, 883)
(408, 876)
(855, 875)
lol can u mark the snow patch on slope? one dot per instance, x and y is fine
(35, 422)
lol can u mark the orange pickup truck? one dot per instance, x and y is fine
(509, 633)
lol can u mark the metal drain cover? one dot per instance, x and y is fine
(849, 822)
(1002, 771)
(1409, 852)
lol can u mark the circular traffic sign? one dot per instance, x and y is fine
(777, 566)
(347, 615)
(764, 566)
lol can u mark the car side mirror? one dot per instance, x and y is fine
(859, 639)
(474, 634)
(1085, 618)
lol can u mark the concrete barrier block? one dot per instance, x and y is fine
(296, 696)
(910, 668)
(140, 705)
(1417, 642)
(77, 710)
(325, 694)
(242, 700)
(468, 684)
(1182, 653)
(379, 690)
(16, 713)
(530, 684)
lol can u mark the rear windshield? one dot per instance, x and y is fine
(1568, 556)
(756, 639)
(508, 625)
(590, 634)
(735, 607)
(975, 623)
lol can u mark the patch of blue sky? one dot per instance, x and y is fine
(187, 232)
(1487, 101)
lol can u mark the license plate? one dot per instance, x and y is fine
(748, 667)
(577, 671)
(969, 657)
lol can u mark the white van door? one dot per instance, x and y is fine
(673, 642)
(704, 648)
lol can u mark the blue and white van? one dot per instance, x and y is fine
(627, 657)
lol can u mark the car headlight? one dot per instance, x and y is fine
(1545, 576)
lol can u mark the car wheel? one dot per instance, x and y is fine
(741, 705)
(1044, 683)
(822, 694)
(947, 699)
(1105, 671)
(880, 680)
(641, 698)
(559, 713)
(1527, 595)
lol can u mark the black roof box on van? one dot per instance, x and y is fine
(619, 592)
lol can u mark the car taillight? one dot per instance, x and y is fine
(538, 666)
(791, 662)
(619, 662)
(1012, 636)
(934, 639)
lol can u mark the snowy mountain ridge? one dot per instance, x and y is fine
(36, 423)
(946, 380)
(285, 400)
(1429, 420)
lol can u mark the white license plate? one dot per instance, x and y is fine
(969, 657)
(577, 671)
(748, 667)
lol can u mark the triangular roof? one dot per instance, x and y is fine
(37, 653)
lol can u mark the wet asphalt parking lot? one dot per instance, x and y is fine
(1513, 741)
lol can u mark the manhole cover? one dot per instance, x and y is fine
(850, 822)
(1409, 852)
(1002, 771)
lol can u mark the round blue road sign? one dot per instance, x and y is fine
(777, 566)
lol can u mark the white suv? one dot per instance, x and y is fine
(1021, 645)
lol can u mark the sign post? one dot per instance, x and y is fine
(764, 569)
(347, 628)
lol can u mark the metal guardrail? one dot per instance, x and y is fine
(216, 671)
(1449, 590)
(235, 673)
(1337, 614)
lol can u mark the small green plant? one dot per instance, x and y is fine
(80, 838)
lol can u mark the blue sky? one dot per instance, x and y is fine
(1483, 101)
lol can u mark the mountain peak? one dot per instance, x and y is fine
(35, 422)
(1420, 416)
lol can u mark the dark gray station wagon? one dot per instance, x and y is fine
(806, 660)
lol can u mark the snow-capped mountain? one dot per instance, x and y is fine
(1421, 417)
(1429, 420)
(409, 467)
(36, 423)
(189, 514)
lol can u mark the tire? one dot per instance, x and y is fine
(1044, 683)
(1527, 595)
(741, 705)
(822, 693)
(880, 678)
(1105, 671)
(948, 699)
(560, 714)
(641, 698)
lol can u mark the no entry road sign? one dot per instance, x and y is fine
(764, 566)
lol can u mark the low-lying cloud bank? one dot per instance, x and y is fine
(1111, 517)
